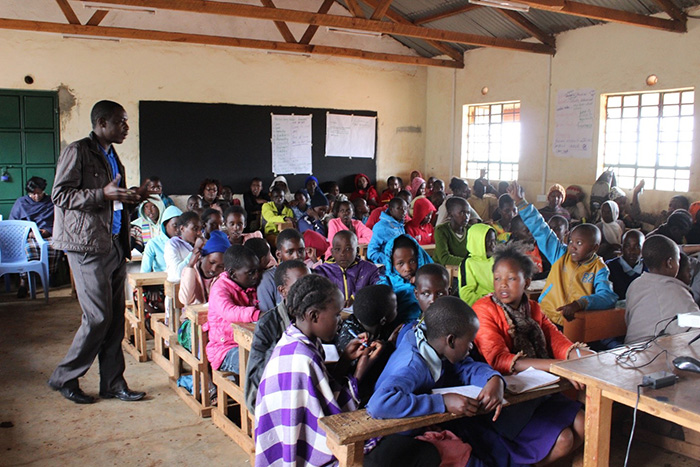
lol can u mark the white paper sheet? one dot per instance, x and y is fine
(528, 380)
(350, 136)
(291, 144)
(331, 353)
(470, 391)
(573, 123)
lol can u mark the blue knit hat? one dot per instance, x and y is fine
(318, 199)
(217, 243)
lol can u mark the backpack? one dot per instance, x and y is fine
(600, 192)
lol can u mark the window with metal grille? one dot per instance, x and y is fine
(650, 136)
(491, 140)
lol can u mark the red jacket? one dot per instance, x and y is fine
(494, 339)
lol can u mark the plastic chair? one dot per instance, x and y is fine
(13, 255)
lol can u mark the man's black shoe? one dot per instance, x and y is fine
(76, 395)
(126, 395)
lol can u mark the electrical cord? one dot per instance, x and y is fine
(634, 421)
(630, 353)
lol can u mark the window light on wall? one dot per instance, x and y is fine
(491, 140)
(649, 135)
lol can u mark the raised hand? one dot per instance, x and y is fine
(516, 192)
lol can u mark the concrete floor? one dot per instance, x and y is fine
(39, 427)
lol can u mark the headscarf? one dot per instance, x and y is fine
(420, 209)
(318, 199)
(218, 243)
(559, 188)
(415, 185)
(693, 209)
(357, 180)
(612, 231)
(288, 196)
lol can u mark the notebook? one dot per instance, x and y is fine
(528, 380)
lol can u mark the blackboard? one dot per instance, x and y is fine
(184, 143)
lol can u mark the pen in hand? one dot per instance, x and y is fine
(354, 334)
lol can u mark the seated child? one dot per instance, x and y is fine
(521, 235)
(657, 296)
(460, 189)
(202, 269)
(374, 215)
(419, 227)
(311, 186)
(194, 204)
(361, 210)
(316, 244)
(334, 190)
(270, 328)
(211, 220)
(392, 189)
(403, 258)
(153, 259)
(262, 250)
(313, 217)
(300, 203)
(343, 220)
(235, 222)
(437, 198)
(507, 211)
(451, 237)
(612, 229)
(374, 312)
(476, 271)
(232, 299)
(346, 269)
(579, 279)
(148, 224)
(253, 200)
(290, 245)
(513, 336)
(560, 226)
(296, 389)
(179, 249)
(390, 226)
(275, 212)
(155, 187)
(626, 268)
(365, 190)
(435, 355)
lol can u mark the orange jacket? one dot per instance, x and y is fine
(495, 342)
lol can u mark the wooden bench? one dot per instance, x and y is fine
(347, 432)
(165, 327)
(594, 325)
(231, 407)
(134, 342)
(196, 360)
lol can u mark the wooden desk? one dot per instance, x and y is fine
(430, 249)
(134, 342)
(346, 432)
(594, 325)
(606, 381)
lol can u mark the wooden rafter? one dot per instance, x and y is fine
(446, 13)
(355, 8)
(381, 9)
(360, 24)
(672, 10)
(142, 34)
(97, 17)
(311, 30)
(68, 12)
(605, 14)
(528, 26)
(281, 25)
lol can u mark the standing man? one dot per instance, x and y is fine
(92, 226)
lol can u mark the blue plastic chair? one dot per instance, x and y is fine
(13, 255)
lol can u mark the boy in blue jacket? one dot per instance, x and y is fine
(389, 227)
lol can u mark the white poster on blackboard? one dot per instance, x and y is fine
(350, 136)
(573, 123)
(291, 144)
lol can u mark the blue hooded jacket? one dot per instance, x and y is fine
(407, 304)
(383, 231)
(154, 254)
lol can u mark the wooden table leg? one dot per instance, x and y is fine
(598, 417)
(348, 455)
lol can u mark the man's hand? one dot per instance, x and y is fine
(491, 396)
(113, 192)
(143, 190)
(460, 405)
(569, 310)
(639, 187)
(516, 192)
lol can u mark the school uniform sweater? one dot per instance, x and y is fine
(273, 216)
(588, 282)
(358, 275)
(476, 271)
(449, 248)
(385, 230)
(622, 274)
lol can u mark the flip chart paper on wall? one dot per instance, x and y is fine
(291, 144)
(350, 136)
(573, 123)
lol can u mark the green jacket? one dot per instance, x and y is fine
(476, 271)
(448, 248)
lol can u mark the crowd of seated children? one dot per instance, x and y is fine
(253, 199)
(211, 221)
(365, 190)
(148, 223)
(296, 389)
(420, 226)
(579, 279)
(513, 336)
(314, 215)
(262, 250)
(657, 296)
(235, 222)
(375, 215)
(460, 189)
(506, 212)
(290, 245)
(209, 191)
(451, 237)
(179, 249)
(343, 220)
(153, 258)
(232, 299)
(555, 198)
(483, 202)
(390, 226)
(275, 212)
(475, 273)
(434, 354)
(392, 189)
(612, 229)
(346, 269)
(403, 257)
(630, 265)
(270, 328)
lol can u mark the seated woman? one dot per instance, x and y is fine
(343, 220)
(209, 191)
(35, 206)
(555, 198)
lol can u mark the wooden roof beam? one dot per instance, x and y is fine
(605, 14)
(311, 30)
(672, 10)
(360, 24)
(446, 14)
(97, 17)
(142, 34)
(355, 8)
(381, 9)
(68, 12)
(280, 25)
(528, 26)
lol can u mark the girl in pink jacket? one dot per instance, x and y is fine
(232, 299)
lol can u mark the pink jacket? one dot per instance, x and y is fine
(194, 289)
(364, 234)
(228, 303)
